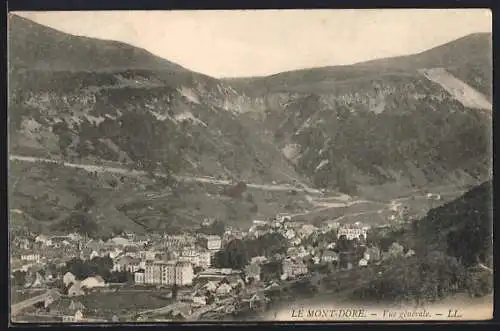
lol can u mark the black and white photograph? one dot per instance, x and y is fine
(250, 165)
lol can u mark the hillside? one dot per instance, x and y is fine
(101, 102)
(90, 100)
(462, 228)
(413, 121)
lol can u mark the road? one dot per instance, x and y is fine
(17, 307)
(129, 172)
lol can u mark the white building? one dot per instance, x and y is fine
(169, 273)
(92, 282)
(363, 263)
(351, 232)
(31, 257)
(68, 278)
(139, 277)
(184, 274)
(212, 242)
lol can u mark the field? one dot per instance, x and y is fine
(121, 303)
(18, 294)
(48, 195)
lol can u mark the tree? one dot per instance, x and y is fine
(19, 278)
(234, 255)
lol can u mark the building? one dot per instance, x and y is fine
(139, 277)
(363, 263)
(68, 278)
(252, 271)
(93, 282)
(223, 289)
(169, 273)
(184, 273)
(75, 290)
(292, 268)
(211, 242)
(329, 256)
(153, 273)
(283, 218)
(351, 232)
(30, 257)
(196, 257)
(126, 263)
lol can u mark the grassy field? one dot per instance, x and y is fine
(48, 194)
(120, 303)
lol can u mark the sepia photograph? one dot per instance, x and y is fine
(250, 165)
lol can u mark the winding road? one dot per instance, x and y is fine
(129, 172)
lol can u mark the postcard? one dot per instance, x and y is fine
(250, 165)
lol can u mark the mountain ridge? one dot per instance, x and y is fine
(367, 135)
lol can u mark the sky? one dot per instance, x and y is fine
(240, 43)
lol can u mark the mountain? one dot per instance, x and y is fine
(85, 99)
(36, 47)
(161, 146)
(100, 102)
(394, 124)
(469, 58)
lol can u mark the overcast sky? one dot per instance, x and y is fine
(257, 42)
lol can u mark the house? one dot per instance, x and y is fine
(223, 289)
(119, 242)
(39, 281)
(76, 305)
(92, 282)
(252, 271)
(363, 263)
(93, 254)
(351, 232)
(148, 255)
(257, 300)
(77, 317)
(139, 277)
(272, 286)
(258, 259)
(210, 286)
(293, 268)
(126, 263)
(410, 252)
(296, 241)
(211, 242)
(329, 256)
(68, 278)
(75, 290)
(199, 299)
(237, 282)
(373, 252)
(31, 257)
(43, 240)
(115, 253)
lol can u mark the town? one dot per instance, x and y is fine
(210, 272)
